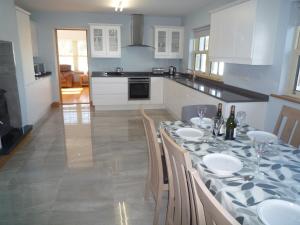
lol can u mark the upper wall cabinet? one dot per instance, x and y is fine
(105, 40)
(34, 38)
(169, 42)
(244, 32)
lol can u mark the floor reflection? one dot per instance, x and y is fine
(77, 124)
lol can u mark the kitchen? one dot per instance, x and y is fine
(148, 62)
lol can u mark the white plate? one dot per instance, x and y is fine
(205, 121)
(221, 164)
(262, 136)
(190, 133)
(279, 212)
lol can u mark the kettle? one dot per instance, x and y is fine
(172, 70)
(119, 69)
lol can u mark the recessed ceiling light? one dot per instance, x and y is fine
(119, 5)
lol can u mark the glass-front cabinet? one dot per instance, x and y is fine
(105, 40)
(168, 42)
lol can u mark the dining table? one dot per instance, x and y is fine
(279, 167)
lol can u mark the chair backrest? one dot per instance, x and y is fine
(178, 163)
(190, 111)
(64, 68)
(290, 131)
(215, 214)
(154, 152)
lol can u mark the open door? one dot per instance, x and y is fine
(73, 66)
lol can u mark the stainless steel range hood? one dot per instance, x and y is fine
(137, 31)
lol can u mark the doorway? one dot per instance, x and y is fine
(73, 66)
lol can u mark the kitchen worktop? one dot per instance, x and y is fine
(127, 74)
(216, 89)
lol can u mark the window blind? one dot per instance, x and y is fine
(201, 31)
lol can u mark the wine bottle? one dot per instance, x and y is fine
(219, 112)
(231, 125)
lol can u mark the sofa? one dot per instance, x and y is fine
(66, 76)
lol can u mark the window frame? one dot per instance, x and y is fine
(196, 51)
(297, 59)
(295, 71)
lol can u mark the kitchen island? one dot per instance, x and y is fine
(110, 91)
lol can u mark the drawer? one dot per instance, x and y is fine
(105, 80)
(109, 88)
(118, 99)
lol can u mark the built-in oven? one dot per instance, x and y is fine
(139, 88)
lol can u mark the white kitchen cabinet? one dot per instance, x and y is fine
(244, 32)
(34, 38)
(109, 91)
(25, 45)
(105, 40)
(157, 85)
(168, 42)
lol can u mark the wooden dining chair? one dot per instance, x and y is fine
(289, 132)
(157, 178)
(178, 163)
(215, 213)
(190, 111)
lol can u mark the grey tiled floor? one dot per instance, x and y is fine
(79, 168)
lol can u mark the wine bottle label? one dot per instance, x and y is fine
(234, 133)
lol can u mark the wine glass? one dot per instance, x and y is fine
(240, 119)
(260, 147)
(201, 110)
(216, 127)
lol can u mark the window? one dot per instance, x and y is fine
(74, 53)
(200, 56)
(297, 56)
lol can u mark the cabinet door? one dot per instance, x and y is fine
(176, 43)
(157, 90)
(222, 35)
(161, 43)
(26, 47)
(244, 30)
(98, 45)
(113, 41)
(34, 39)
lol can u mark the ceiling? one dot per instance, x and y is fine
(148, 7)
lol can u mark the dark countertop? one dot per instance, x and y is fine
(126, 74)
(216, 89)
(39, 76)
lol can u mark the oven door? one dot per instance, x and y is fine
(138, 88)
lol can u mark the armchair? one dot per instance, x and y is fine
(66, 76)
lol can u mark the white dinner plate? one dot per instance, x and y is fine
(221, 164)
(204, 122)
(279, 212)
(190, 133)
(262, 136)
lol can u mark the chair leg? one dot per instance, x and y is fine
(157, 208)
(147, 187)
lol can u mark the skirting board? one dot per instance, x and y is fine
(127, 107)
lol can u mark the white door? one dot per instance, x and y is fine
(98, 46)
(176, 43)
(161, 43)
(113, 41)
